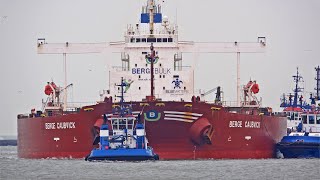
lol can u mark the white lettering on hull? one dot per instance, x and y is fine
(247, 124)
(60, 125)
(234, 124)
(252, 124)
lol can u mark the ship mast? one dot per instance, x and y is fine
(297, 79)
(151, 28)
(152, 54)
(151, 58)
(318, 82)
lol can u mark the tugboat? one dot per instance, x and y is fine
(303, 139)
(122, 136)
(302, 144)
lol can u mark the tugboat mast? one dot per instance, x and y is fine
(122, 108)
(318, 82)
(297, 79)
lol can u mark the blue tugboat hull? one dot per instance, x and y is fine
(123, 155)
(300, 147)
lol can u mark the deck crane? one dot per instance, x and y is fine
(182, 47)
(217, 100)
(74, 48)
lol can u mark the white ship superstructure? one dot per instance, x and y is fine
(172, 81)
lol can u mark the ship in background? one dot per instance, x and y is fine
(303, 139)
(179, 122)
(296, 107)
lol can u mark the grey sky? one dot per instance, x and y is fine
(291, 27)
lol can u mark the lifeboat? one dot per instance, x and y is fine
(255, 88)
(48, 90)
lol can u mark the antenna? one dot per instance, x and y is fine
(318, 82)
(297, 78)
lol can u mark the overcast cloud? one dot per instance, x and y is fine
(292, 29)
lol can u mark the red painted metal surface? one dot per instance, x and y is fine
(234, 136)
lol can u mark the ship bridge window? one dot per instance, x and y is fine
(151, 40)
(138, 40)
(122, 123)
(159, 40)
(318, 119)
(304, 119)
(143, 40)
(132, 40)
(311, 119)
(170, 39)
(115, 124)
(164, 40)
(144, 52)
(297, 116)
(130, 124)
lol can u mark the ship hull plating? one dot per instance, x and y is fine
(175, 130)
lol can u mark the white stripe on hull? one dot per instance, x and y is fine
(178, 119)
(184, 113)
(182, 116)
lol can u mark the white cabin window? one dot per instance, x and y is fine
(115, 124)
(311, 119)
(318, 119)
(304, 119)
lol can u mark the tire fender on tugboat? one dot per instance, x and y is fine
(201, 132)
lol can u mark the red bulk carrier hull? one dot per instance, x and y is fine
(176, 130)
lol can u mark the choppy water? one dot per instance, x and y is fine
(11, 167)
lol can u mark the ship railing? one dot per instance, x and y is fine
(22, 116)
(75, 105)
(172, 30)
(182, 68)
(311, 129)
(117, 68)
(229, 103)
